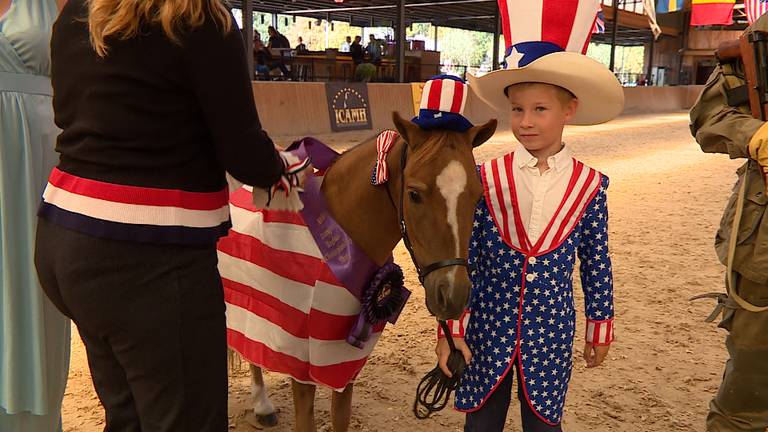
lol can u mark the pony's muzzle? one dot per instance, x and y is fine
(447, 292)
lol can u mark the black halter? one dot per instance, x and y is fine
(434, 390)
(423, 272)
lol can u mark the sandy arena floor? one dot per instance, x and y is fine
(665, 200)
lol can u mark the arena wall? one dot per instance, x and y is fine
(644, 100)
(292, 109)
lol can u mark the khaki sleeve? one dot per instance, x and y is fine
(718, 127)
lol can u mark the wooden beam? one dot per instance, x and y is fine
(636, 21)
(699, 52)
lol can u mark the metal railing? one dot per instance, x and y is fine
(629, 79)
(455, 70)
(635, 6)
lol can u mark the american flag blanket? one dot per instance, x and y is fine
(286, 312)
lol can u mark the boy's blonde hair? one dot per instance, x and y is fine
(122, 19)
(563, 94)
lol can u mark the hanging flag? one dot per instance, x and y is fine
(599, 27)
(667, 6)
(712, 12)
(650, 10)
(755, 9)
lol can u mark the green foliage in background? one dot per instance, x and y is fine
(457, 47)
(628, 59)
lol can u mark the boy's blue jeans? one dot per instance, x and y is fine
(492, 416)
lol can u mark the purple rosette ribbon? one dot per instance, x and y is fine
(382, 301)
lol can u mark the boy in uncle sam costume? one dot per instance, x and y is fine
(541, 209)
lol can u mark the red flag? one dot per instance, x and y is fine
(712, 12)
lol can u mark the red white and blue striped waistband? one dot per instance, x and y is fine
(134, 213)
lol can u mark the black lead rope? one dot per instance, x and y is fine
(434, 390)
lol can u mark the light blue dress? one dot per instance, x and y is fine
(34, 336)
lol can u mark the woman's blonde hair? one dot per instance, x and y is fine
(123, 19)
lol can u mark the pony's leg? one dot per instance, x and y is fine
(304, 406)
(263, 409)
(341, 409)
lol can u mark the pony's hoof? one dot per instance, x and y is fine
(267, 420)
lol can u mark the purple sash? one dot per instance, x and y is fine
(351, 266)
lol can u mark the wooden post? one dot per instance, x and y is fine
(683, 46)
(650, 61)
(400, 30)
(614, 31)
(496, 31)
(248, 35)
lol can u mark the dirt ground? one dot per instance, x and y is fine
(665, 201)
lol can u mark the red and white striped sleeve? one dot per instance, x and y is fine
(458, 327)
(596, 271)
(600, 332)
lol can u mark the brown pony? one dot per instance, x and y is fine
(439, 189)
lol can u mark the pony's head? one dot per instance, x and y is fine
(441, 190)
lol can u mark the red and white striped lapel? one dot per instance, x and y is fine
(582, 187)
(501, 197)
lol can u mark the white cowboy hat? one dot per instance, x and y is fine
(536, 54)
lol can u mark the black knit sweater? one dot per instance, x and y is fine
(155, 113)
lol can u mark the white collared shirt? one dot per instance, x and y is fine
(540, 194)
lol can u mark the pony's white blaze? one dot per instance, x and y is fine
(451, 182)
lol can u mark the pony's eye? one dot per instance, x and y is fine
(414, 196)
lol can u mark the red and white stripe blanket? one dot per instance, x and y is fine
(286, 312)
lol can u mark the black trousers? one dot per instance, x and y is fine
(152, 321)
(493, 414)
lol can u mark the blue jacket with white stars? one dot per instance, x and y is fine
(522, 308)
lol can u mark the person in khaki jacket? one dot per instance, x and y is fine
(741, 403)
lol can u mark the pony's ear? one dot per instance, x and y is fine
(482, 133)
(410, 131)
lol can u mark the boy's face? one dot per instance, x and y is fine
(539, 114)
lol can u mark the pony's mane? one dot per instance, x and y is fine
(354, 147)
(425, 154)
(439, 140)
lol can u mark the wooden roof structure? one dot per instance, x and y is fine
(625, 21)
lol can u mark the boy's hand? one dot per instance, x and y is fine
(443, 351)
(594, 355)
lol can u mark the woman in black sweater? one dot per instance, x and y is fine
(154, 101)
